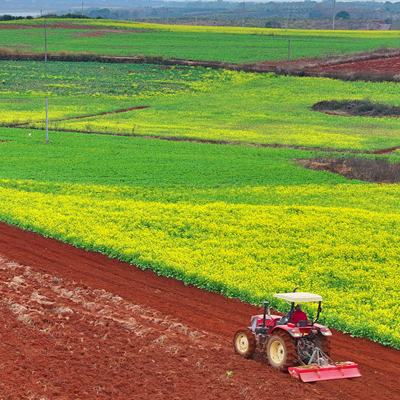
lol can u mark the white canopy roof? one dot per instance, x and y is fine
(299, 297)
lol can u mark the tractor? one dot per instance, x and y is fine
(294, 343)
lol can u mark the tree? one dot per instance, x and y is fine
(272, 24)
(342, 15)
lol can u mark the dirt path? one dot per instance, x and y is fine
(79, 325)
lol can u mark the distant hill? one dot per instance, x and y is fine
(309, 14)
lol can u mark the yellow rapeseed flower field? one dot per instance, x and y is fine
(350, 255)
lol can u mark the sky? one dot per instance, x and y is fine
(26, 6)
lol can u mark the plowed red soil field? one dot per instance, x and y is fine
(78, 325)
(385, 66)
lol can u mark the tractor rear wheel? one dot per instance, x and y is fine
(281, 351)
(244, 343)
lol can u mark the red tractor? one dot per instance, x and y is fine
(293, 342)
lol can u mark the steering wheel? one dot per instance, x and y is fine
(284, 320)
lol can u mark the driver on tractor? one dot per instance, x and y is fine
(298, 315)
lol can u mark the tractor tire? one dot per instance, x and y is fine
(281, 351)
(244, 343)
(324, 343)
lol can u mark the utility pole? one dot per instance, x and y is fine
(45, 77)
(333, 15)
(82, 9)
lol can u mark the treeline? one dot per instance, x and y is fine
(72, 16)
(7, 17)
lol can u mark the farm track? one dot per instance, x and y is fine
(88, 57)
(77, 324)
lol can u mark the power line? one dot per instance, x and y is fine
(45, 76)
(333, 15)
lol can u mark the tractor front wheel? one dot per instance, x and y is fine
(244, 343)
(281, 351)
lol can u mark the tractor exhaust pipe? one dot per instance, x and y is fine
(265, 313)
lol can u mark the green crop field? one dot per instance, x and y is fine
(189, 102)
(238, 45)
(242, 220)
